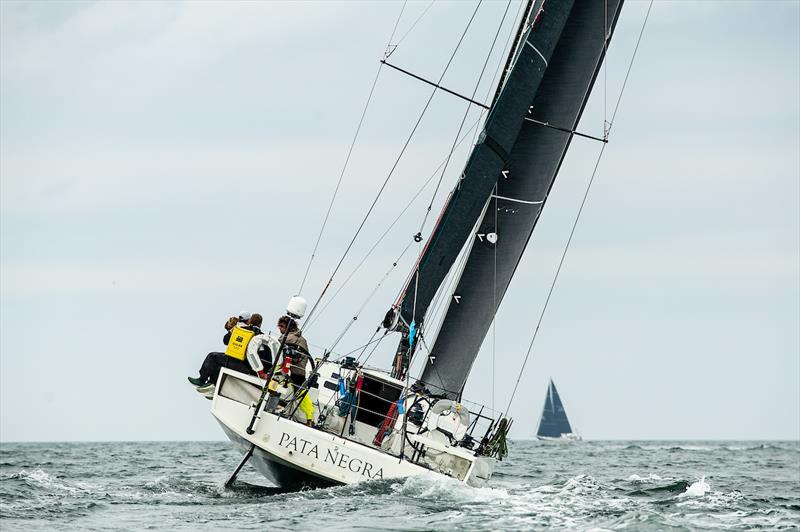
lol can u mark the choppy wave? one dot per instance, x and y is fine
(594, 486)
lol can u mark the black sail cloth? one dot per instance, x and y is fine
(512, 213)
(485, 163)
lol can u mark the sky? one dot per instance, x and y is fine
(164, 165)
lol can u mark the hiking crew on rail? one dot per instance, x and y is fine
(241, 331)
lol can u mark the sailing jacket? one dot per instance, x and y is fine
(300, 355)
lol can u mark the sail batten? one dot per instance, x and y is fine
(534, 159)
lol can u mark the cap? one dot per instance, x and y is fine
(244, 316)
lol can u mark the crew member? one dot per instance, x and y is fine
(244, 319)
(298, 349)
(288, 328)
(214, 361)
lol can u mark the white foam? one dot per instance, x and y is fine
(439, 487)
(43, 479)
(698, 489)
(581, 484)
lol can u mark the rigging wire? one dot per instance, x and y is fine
(464, 118)
(414, 25)
(369, 298)
(605, 70)
(396, 163)
(500, 66)
(414, 274)
(349, 152)
(453, 276)
(477, 132)
(580, 210)
(374, 347)
(448, 285)
(434, 308)
(372, 341)
(443, 165)
(386, 232)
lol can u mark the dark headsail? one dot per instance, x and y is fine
(486, 162)
(530, 168)
(554, 420)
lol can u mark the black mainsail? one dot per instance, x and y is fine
(554, 420)
(486, 162)
(513, 169)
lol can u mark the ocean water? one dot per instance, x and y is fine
(584, 486)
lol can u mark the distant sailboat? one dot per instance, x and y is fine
(554, 425)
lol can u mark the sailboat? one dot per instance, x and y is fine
(371, 423)
(554, 424)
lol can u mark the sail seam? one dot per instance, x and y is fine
(537, 51)
(518, 200)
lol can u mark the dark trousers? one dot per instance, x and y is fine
(216, 361)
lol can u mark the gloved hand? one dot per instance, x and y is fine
(231, 323)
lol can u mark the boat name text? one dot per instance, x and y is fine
(331, 456)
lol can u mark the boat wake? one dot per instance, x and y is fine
(539, 487)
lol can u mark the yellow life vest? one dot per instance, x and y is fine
(237, 345)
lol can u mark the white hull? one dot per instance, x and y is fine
(293, 455)
(564, 438)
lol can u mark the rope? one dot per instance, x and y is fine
(394, 166)
(578, 216)
(378, 342)
(349, 153)
(364, 347)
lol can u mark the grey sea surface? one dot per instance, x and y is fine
(583, 486)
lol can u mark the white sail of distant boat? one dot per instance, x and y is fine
(554, 424)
